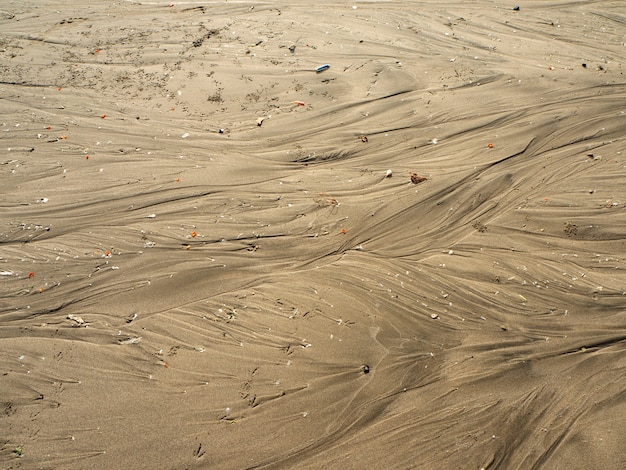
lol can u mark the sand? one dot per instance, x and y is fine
(214, 256)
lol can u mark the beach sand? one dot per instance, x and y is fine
(214, 256)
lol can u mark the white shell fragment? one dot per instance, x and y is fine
(78, 321)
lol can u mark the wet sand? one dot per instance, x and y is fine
(214, 256)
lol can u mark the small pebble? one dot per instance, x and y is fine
(416, 179)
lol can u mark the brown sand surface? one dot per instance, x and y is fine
(173, 296)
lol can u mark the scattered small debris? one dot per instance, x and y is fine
(434, 316)
(388, 174)
(364, 138)
(365, 369)
(259, 121)
(292, 48)
(324, 200)
(570, 229)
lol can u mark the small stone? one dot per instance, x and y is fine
(416, 179)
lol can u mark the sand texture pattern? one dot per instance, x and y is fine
(215, 255)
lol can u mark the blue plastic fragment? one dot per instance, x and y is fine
(321, 68)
